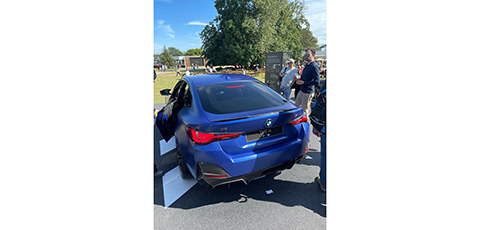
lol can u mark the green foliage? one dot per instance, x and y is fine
(194, 52)
(174, 51)
(226, 40)
(309, 40)
(166, 57)
(245, 30)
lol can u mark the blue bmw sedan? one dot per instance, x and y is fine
(232, 127)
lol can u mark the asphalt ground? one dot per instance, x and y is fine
(296, 202)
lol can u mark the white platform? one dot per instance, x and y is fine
(166, 147)
(174, 186)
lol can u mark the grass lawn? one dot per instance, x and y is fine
(168, 80)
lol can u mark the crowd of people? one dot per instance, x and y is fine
(208, 69)
(304, 82)
(162, 67)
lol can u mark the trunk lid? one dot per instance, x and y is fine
(259, 131)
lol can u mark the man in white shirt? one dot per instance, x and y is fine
(288, 74)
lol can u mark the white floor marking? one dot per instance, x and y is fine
(174, 186)
(165, 147)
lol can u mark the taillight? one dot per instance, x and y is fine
(299, 120)
(201, 138)
(234, 86)
(214, 175)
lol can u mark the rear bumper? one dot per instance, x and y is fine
(213, 169)
(212, 166)
(257, 158)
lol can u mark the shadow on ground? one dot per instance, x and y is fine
(287, 193)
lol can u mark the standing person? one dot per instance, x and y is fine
(288, 74)
(318, 118)
(187, 72)
(177, 67)
(310, 78)
(243, 72)
(295, 86)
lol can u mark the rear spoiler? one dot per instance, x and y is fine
(263, 114)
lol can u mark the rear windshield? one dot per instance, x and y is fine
(234, 97)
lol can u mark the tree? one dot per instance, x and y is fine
(227, 40)
(308, 39)
(174, 51)
(166, 57)
(245, 30)
(194, 52)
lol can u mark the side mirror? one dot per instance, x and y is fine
(165, 92)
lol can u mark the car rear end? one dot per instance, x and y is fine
(252, 132)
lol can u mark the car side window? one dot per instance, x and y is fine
(188, 97)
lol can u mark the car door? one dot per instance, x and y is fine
(167, 117)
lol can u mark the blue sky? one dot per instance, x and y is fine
(178, 23)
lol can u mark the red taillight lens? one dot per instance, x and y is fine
(201, 138)
(299, 120)
(234, 86)
(215, 176)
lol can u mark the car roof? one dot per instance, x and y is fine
(205, 79)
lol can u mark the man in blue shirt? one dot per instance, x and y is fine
(310, 78)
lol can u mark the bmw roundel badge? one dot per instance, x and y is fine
(269, 123)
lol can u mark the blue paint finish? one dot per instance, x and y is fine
(239, 156)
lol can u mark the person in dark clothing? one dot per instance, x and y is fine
(321, 132)
(178, 70)
(310, 78)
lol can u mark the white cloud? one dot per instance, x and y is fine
(316, 15)
(197, 23)
(166, 29)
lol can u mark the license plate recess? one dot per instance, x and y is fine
(264, 133)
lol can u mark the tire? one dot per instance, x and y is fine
(184, 172)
